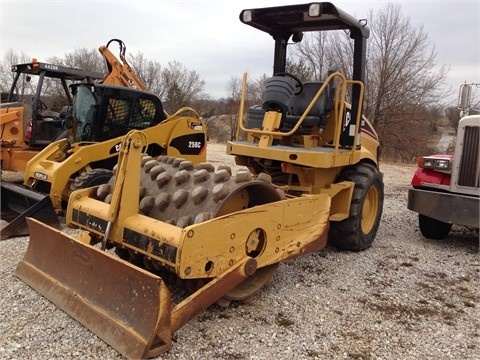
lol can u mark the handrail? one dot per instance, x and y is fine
(339, 104)
(242, 106)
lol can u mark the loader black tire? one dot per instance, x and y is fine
(357, 232)
(91, 178)
(432, 228)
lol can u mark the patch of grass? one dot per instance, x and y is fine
(313, 353)
(282, 320)
(449, 319)
(424, 285)
(230, 356)
(359, 356)
(205, 317)
(398, 311)
(437, 275)
(285, 322)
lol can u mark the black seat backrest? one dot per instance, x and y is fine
(279, 94)
(303, 99)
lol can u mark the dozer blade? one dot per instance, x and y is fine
(126, 306)
(129, 308)
(24, 202)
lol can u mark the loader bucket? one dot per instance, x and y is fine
(126, 306)
(21, 202)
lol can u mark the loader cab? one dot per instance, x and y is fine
(102, 112)
(44, 114)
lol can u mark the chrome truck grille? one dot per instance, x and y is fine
(469, 170)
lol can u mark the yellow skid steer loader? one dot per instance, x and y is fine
(100, 114)
(163, 221)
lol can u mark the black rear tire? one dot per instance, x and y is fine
(91, 178)
(432, 228)
(357, 232)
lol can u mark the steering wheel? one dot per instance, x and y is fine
(298, 82)
(39, 106)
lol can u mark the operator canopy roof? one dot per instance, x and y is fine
(287, 20)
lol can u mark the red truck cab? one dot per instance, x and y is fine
(445, 188)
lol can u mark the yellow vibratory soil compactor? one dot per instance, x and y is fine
(310, 174)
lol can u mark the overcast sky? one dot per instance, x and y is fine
(208, 37)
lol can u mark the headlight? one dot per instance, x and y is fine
(428, 163)
(433, 163)
(247, 16)
(442, 164)
(40, 176)
(314, 10)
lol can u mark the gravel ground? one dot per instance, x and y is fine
(404, 298)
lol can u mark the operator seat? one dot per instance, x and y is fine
(318, 113)
(279, 95)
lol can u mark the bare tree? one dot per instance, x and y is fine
(206, 106)
(403, 82)
(149, 72)
(401, 66)
(182, 86)
(256, 89)
(6, 75)
(254, 96)
(308, 60)
(82, 58)
(233, 88)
